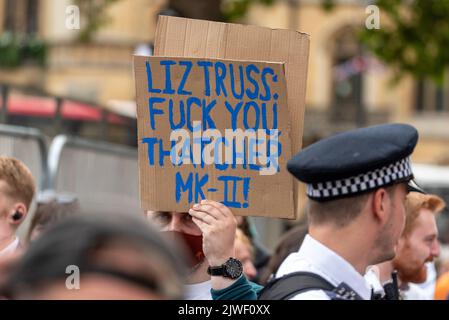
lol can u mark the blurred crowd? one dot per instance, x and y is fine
(385, 235)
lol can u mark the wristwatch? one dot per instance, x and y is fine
(232, 268)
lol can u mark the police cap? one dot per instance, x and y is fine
(356, 161)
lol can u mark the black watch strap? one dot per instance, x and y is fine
(232, 268)
(216, 271)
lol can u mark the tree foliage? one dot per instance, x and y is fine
(95, 14)
(235, 9)
(216, 10)
(413, 37)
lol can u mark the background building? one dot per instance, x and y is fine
(346, 86)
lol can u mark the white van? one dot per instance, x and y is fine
(435, 179)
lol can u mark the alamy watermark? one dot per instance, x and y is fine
(72, 282)
(72, 17)
(373, 19)
(73, 22)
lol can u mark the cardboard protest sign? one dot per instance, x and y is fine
(182, 37)
(215, 129)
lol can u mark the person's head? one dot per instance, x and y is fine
(244, 252)
(105, 257)
(357, 184)
(290, 242)
(17, 188)
(174, 221)
(381, 213)
(180, 226)
(418, 243)
(247, 226)
(51, 208)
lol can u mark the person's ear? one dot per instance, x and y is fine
(18, 213)
(380, 205)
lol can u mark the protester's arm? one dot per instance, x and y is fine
(242, 289)
(218, 225)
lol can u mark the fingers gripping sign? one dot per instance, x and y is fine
(218, 225)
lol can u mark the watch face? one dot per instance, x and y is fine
(233, 268)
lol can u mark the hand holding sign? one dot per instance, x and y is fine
(218, 225)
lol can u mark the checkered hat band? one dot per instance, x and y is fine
(367, 181)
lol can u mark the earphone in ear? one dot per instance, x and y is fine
(17, 216)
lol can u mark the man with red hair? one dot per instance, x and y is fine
(417, 245)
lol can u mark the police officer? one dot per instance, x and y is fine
(357, 182)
